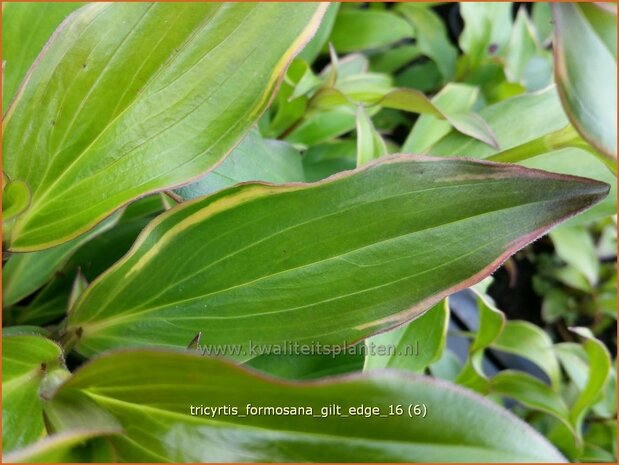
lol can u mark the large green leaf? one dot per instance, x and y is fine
(151, 393)
(26, 27)
(131, 98)
(585, 50)
(28, 361)
(333, 261)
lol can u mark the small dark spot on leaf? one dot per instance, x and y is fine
(84, 66)
(79, 331)
(43, 366)
(492, 48)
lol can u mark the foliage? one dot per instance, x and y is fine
(191, 189)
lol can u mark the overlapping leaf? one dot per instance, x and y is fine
(533, 130)
(585, 47)
(159, 425)
(24, 273)
(131, 98)
(255, 159)
(333, 261)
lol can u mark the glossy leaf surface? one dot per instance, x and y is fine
(160, 427)
(110, 111)
(333, 261)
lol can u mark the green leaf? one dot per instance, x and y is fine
(24, 273)
(26, 27)
(542, 19)
(16, 198)
(24, 330)
(599, 362)
(574, 245)
(313, 366)
(49, 305)
(491, 324)
(432, 38)
(255, 159)
(580, 163)
(586, 71)
(414, 101)
(284, 113)
(428, 129)
(487, 26)
(411, 347)
(313, 48)
(79, 286)
(333, 261)
(110, 110)
(159, 426)
(84, 445)
(323, 160)
(535, 119)
(28, 361)
(532, 393)
(322, 127)
(370, 144)
(514, 122)
(391, 60)
(526, 61)
(448, 367)
(531, 342)
(364, 87)
(423, 76)
(356, 30)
